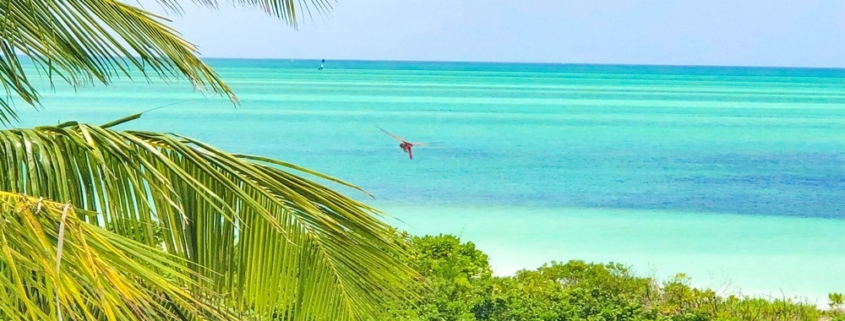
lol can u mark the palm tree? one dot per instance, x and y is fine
(132, 225)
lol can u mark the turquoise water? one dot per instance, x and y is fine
(733, 175)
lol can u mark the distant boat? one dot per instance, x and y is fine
(322, 64)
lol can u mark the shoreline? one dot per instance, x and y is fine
(755, 255)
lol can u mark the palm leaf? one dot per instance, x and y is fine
(85, 41)
(102, 275)
(274, 242)
(286, 10)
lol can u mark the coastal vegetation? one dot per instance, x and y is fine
(459, 286)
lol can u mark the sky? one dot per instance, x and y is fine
(793, 33)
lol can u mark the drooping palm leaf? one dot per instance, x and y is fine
(286, 10)
(82, 41)
(101, 275)
(272, 241)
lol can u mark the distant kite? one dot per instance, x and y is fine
(406, 146)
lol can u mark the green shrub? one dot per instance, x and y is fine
(459, 286)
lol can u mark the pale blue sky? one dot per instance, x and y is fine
(808, 33)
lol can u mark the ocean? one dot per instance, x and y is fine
(734, 176)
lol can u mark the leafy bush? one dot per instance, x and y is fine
(459, 286)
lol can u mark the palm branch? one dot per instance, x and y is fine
(55, 266)
(269, 241)
(85, 41)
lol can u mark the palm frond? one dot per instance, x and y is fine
(55, 266)
(85, 41)
(275, 242)
(289, 11)
(82, 41)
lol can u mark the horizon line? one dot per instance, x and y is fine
(830, 68)
(532, 63)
